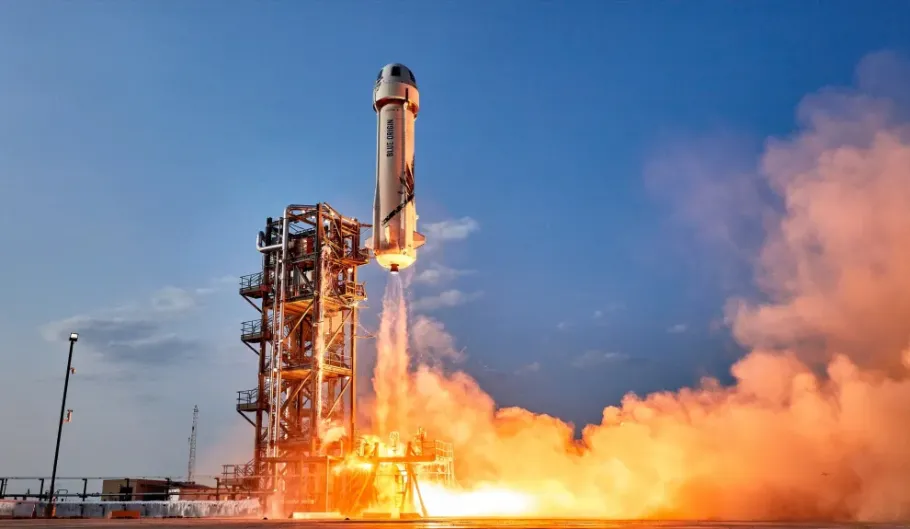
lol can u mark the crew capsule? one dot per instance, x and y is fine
(396, 101)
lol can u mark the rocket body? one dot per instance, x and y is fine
(396, 101)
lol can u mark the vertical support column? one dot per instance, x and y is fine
(275, 361)
(261, 443)
(326, 506)
(261, 469)
(319, 335)
(353, 347)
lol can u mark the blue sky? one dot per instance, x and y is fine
(142, 145)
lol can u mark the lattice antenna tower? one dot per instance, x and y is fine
(191, 464)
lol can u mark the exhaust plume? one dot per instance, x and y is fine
(390, 380)
(815, 425)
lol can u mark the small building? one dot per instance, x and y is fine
(141, 489)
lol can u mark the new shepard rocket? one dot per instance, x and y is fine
(396, 101)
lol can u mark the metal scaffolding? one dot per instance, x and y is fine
(304, 407)
(385, 477)
(306, 339)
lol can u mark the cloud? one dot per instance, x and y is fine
(594, 357)
(150, 349)
(115, 339)
(218, 284)
(135, 334)
(597, 316)
(229, 280)
(451, 230)
(533, 367)
(174, 299)
(436, 274)
(448, 298)
(678, 328)
(432, 342)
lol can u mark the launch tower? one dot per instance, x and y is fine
(308, 455)
(303, 409)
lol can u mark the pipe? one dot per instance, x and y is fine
(277, 351)
(259, 244)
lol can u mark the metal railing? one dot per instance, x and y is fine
(243, 470)
(345, 292)
(92, 488)
(333, 361)
(444, 450)
(354, 290)
(299, 291)
(251, 281)
(248, 397)
(253, 328)
(343, 362)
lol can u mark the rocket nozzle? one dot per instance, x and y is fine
(394, 268)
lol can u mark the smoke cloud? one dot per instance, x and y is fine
(815, 425)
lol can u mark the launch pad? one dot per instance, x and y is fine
(384, 478)
(308, 455)
(451, 523)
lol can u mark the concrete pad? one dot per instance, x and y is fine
(316, 516)
(436, 523)
(25, 509)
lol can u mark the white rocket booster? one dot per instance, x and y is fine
(396, 101)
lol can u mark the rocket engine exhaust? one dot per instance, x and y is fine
(395, 239)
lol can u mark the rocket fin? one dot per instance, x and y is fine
(419, 240)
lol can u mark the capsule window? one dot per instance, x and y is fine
(411, 75)
(396, 71)
(379, 75)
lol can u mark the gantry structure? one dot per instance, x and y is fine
(304, 408)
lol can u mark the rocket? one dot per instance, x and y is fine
(395, 239)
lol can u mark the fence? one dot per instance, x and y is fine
(248, 508)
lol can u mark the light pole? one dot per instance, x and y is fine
(51, 511)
